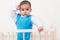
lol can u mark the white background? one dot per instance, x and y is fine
(47, 10)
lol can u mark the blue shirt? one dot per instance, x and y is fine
(23, 22)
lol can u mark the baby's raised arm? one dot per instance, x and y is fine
(13, 14)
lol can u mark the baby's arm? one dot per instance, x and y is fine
(37, 22)
(13, 14)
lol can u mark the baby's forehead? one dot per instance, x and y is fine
(25, 6)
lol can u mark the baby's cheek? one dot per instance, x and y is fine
(28, 12)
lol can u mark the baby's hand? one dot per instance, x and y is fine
(17, 7)
(40, 29)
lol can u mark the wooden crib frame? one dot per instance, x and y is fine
(51, 31)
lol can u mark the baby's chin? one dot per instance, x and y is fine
(26, 15)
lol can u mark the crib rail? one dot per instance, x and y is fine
(45, 35)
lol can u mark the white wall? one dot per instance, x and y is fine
(47, 10)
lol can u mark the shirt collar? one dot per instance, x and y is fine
(23, 16)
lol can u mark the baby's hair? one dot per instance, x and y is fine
(25, 2)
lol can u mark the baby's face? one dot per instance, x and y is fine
(25, 9)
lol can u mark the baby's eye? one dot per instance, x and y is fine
(22, 9)
(27, 9)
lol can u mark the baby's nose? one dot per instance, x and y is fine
(25, 10)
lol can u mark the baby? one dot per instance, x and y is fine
(24, 20)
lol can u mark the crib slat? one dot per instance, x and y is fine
(2, 35)
(46, 35)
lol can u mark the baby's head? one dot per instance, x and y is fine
(25, 8)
